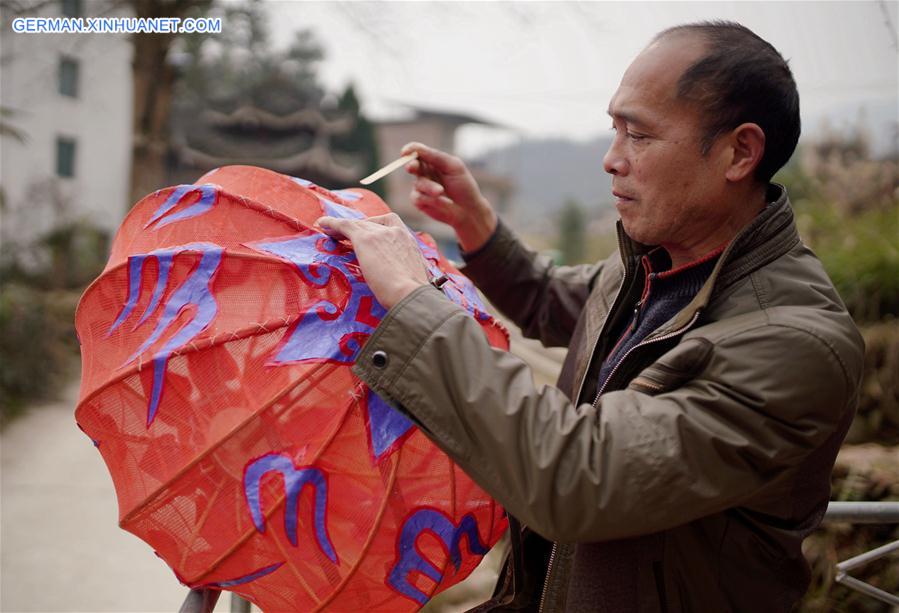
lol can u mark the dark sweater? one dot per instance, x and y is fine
(665, 293)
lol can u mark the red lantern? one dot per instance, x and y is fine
(216, 349)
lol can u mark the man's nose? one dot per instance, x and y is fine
(613, 161)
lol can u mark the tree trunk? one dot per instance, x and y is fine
(154, 81)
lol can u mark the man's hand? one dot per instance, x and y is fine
(446, 191)
(387, 252)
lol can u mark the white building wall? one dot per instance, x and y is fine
(98, 119)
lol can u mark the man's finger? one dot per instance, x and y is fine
(388, 219)
(420, 169)
(414, 167)
(338, 228)
(439, 161)
(428, 187)
(439, 203)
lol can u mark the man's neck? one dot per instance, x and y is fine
(721, 232)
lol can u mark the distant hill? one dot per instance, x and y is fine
(548, 172)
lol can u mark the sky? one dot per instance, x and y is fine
(548, 69)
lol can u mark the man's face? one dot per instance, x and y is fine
(667, 193)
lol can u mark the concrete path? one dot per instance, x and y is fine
(60, 546)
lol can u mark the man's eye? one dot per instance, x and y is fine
(635, 137)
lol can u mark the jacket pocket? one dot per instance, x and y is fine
(675, 368)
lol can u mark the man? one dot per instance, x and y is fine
(712, 369)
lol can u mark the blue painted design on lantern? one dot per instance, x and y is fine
(430, 255)
(347, 195)
(386, 425)
(164, 259)
(327, 331)
(135, 265)
(195, 290)
(295, 479)
(410, 560)
(461, 291)
(135, 278)
(248, 577)
(332, 209)
(208, 194)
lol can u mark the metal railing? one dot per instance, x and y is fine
(204, 600)
(865, 513)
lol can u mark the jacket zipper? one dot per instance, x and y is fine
(552, 554)
(549, 567)
(643, 344)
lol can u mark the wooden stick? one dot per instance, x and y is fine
(389, 168)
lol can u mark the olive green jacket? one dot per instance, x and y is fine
(706, 458)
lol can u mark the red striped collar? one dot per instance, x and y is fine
(711, 255)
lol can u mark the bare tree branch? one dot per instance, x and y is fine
(889, 24)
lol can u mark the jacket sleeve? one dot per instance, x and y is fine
(636, 463)
(543, 299)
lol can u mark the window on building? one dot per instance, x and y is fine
(68, 77)
(65, 157)
(71, 8)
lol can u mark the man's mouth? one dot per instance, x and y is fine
(621, 196)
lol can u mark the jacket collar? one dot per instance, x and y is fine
(770, 235)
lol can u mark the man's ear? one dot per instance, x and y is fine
(747, 143)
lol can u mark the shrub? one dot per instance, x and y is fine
(860, 253)
(37, 344)
(877, 419)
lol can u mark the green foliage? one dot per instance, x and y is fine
(37, 344)
(77, 253)
(877, 417)
(70, 256)
(847, 210)
(361, 138)
(861, 255)
(572, 233)
(37, 311)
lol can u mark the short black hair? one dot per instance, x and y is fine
(742, 79)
